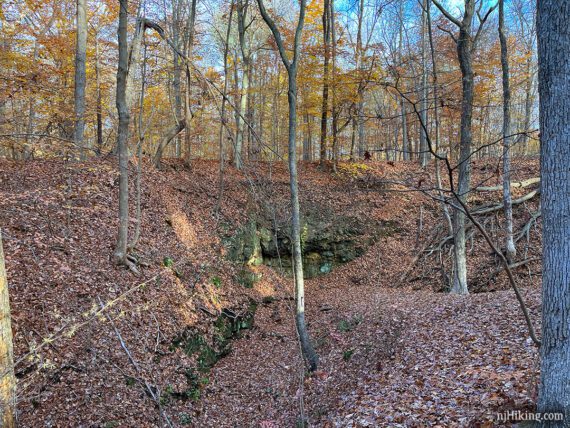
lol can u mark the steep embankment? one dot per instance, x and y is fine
(388, 355)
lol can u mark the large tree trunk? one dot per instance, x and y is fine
(80, 60)
(7, 378)
(507, 200)
(123, 136)
(554, 89)
(464, 51)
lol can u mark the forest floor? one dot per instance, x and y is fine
(394, 350)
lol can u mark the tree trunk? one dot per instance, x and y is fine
(436, 117)
(169, 135)
(291, 66)
(99, 113)
(507, 202)
(177, 69)
(325, 103)
(424, 151)
(7, 378)
(242, 25)
(123, 136)
(80, 60)
(334, 112)
(554, 87)
(361, 83)
(221, 132)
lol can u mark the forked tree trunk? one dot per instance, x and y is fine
(554, 89)
(7, 378)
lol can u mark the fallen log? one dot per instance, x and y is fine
(493, 208)
(514, 185)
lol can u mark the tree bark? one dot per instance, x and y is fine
(507, 199)
(99, 107)
(554, 88)
(424, 151)
(325, 103)
(80, 77)
(242, 6)
(7, 377)
(291, 66)
(123, 135)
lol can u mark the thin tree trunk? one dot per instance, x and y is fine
(177, 70)
(424, 151)
(325, 103)
(444, 207)
(137, 232)
(80, 77)
(554, 87)
(99, 112)
(361, 84)
(507, 200)
(190, 27)
(120, 253)
(335, 112)
(7, 377)
(242, 6)
(291, 66)
(221, 131)
(405, 150)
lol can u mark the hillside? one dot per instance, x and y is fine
(201, 339)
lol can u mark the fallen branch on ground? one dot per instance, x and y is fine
(514, 185)
(493, 208)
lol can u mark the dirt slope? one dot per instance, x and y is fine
(389, 356)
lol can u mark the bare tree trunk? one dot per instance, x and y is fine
(222, 129)
(177, 69)
(424, 152)
(361, 84)
(466, 44)
(168, 136)
(141, 131)
(80, 78)
(554, 87)
(335, 112)
(7, 377)
(99, 113)
(325, 103)
(291, 66)
(189, 44)
(120, 253)
(444, 207)
(405, 151)
(507, 200)
(242, 6)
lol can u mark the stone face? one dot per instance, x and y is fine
(326, 240)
